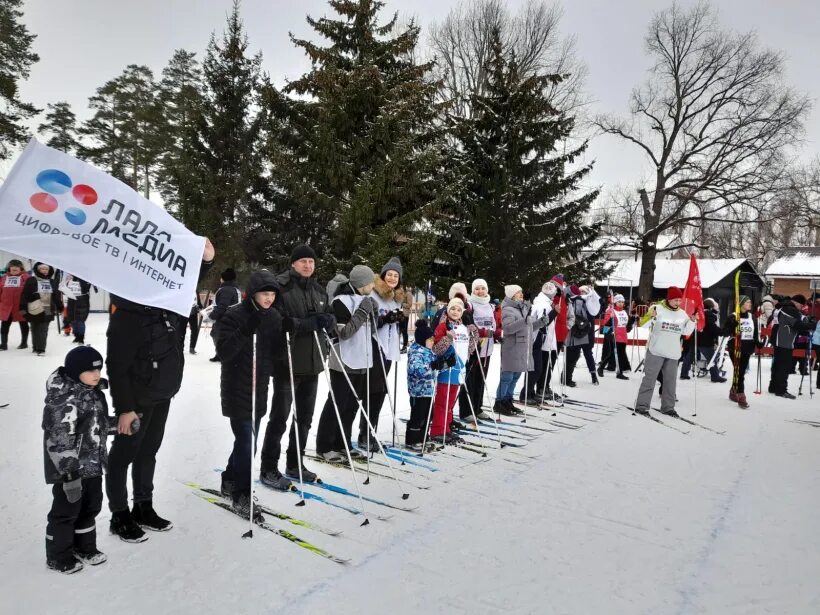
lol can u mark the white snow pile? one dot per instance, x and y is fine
(621, 515)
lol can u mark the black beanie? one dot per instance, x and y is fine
(423, 332)
(82, 359)
(302, 251)
(228, 275)
(801, 299)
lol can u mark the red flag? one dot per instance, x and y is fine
(693, 294)
(561, 328)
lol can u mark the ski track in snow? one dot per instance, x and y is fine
(622, 516)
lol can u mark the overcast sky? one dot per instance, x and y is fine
(83, 43)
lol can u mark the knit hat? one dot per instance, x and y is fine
(457, 288)
(801, 299)
(511, 289)
(228, 275)
(394, 264)
(361, 276)
(455, 301)
(709, 303)
(302, 251)
(480, 282)
(673, 292)
(558, 279)
(744, 299)
(574, 290)
(549, 289)
(618, 299)
(423, 332)
(81, 359)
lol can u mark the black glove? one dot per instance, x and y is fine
(438, 364)
(381, 321)
(288, 324)
(451, 360)
(399, 315)
(73, 490)
(252, 324)
(323, 322)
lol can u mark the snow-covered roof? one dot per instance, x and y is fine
(802, 262)
(673, 272)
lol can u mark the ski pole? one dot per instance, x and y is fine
(295, 423)
(429, 413)
(326, 370)
(390, 398)
(366, 411)
(404, 494)
(249, 533)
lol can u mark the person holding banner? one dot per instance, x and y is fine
(11, 288)
(40, 302)
(144, 364)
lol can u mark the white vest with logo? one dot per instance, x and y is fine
(356, 351)
(389, 335)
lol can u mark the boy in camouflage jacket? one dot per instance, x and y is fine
(75, 425)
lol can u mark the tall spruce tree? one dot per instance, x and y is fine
(355, 152)
(16, 59)
(224, 161)
(519, 216)
(60, 126)
(104, 144)
(180, 97)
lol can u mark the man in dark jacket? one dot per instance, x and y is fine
(790, 322)
(40, 302)
(305, 308)
(255, 315)
(226, 295)
(144, 361)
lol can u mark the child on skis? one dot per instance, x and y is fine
(454, 343)
(75, 425)
(421, 364)
(253, 316)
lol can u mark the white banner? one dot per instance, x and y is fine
(71, 215)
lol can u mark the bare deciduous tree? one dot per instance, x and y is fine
(715, 121)
(462, 46)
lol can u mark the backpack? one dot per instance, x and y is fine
(582, 325)
(159, 360)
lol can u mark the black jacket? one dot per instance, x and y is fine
(225, 296)
(79, 308)
(299, 301)
(747, 347)
(234, 347)
(31, 293)
(145, 355)
(711, 331)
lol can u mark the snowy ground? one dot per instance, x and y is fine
(620, 516)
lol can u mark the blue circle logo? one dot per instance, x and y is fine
(54, 181)
(75, 215)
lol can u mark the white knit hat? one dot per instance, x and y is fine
(455, 301)
(511, 289)
(480, 282)
(458, 287)
(618, 299)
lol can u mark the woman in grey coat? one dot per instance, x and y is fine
(518, 324)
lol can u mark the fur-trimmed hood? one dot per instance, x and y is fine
(387, 293)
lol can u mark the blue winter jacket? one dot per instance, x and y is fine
(420, 370)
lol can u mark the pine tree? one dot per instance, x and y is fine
(356, 146)
(519, 216)
(224, 167)
(180, 97)
(104, 143)
(60, 126)
(16, 59)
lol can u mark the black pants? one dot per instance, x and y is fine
(740, 373)
(72, 526)
(403, 331)
(39, 335)
(139, 449)
(283, 398)
(532, 381)
(473, 389)
(378, 393)
(608, 354)
(193, 323)
(5, 327)
(548, 360)
(781, 368)
(574, 353)
(238, 469)
(609, 358)
(418, 425)
(328, 436)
